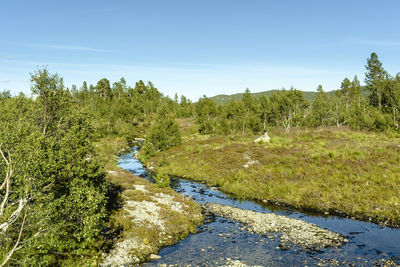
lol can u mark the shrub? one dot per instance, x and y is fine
(163, 134)
(162, 178)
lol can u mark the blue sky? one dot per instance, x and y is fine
(198, 47)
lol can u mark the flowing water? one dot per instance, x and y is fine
(220, 238)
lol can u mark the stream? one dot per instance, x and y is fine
(219, 239)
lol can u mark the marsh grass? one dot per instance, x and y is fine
(326, 169)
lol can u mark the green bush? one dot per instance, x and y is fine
(162, 178)
(163, 134)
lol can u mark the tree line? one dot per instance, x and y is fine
(379, 110)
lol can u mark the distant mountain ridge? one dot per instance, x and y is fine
(307, 94)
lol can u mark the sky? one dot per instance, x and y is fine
(196, 48)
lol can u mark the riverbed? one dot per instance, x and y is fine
(220, 240)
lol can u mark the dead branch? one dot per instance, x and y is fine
(14, 216)
(9, 255)
(7, 181)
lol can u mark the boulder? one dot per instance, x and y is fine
(264, 138)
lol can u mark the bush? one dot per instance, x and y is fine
(162, 178)
(163, 134)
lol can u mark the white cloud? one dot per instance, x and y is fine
(69, 47)
(7, 57)
(377, 43)
(78, 48)
(5, 80)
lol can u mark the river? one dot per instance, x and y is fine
(219, 238)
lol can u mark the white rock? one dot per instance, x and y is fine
(264, 138)
(154, 257)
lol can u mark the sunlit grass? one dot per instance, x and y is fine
(335, 170)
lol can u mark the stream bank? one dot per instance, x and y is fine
(149, 217)
(221, 239)
(330, 171)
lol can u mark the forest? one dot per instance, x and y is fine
(54, 193)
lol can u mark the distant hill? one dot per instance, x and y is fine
(307, 94)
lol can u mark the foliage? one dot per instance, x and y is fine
(206, 111)
(162, 178)
(103, 89)
(50, 169)
(162, 135)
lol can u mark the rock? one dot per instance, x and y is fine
(295, 232)
(154, 257)
(265, 138)
(237, 263)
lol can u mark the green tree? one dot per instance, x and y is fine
(162, 135)
(264, 105)
(289, 108)
(206, 112)
(374, 78)
(5, 94)
(185, 108)
(53, 99)
(84, 91)
(119, 88)
(355, 91)
(321, 108)
(250, 118)
(345, 91)
(53, 190)
(391, 98)
(103, 89)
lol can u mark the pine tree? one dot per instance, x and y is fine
(103, 88)
(345, 88)
(373, 78)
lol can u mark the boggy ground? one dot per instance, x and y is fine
(330, 170)
(150, 217)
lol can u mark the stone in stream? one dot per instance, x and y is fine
(154, 257)
(296, 232)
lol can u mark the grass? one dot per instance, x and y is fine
(333, 170)
(122, 183)
(108, 149)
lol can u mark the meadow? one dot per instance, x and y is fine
(327, 170)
